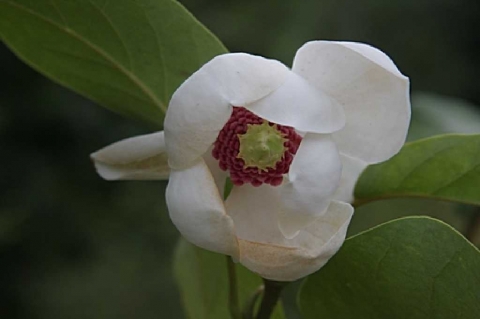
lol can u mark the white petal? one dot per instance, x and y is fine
(313, 178)
(373, 93)
(254, 211)
(374, 55)
(196, 208)
(137, 158)
(303, 255)
(219, 176)
(298, 104)
(203, 103)
(351, 170)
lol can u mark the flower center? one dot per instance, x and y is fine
(262, 146)
(254, 150)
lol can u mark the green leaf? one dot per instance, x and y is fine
(445, 167)
(203, 282)
(412, 268)
(127, 55)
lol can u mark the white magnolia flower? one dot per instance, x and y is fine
(293, 143)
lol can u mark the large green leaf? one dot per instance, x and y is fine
(412, 268)
(128, 55)
(445, 167)
(203, 282)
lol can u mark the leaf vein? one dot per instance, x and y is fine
(102, 64)
(420, 165)
(56, 8)
(105, 4)
(131, 76)
(115, 31)
(454, 180)
(160, 52)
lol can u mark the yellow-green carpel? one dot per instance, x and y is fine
(262, 146)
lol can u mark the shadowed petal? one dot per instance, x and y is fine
(137, 158)
(313, 178)
(299, 104)
(351, 170)
(254, 211)
(219, 176)
(306, 253)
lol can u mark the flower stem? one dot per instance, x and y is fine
(270, 298)
(248, 311)
(233, 293)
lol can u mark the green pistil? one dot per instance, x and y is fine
(261, 146)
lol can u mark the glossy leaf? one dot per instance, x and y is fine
(128, 55)
(203, 282)
(412, 268)
(445, 167)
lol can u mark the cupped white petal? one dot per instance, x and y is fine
(219, 176)
(351, 170)
(197, 210)
(306, 253)
(313, 178)
(254, 211)
(203, 103)
(138, 158)
(299, 104)
(373, 93)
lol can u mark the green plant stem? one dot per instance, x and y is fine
(270, 298)
(233, 290)
(248, 311)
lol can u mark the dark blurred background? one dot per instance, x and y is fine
(75, 246)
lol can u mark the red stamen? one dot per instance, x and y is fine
(227, 145)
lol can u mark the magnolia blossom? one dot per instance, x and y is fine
(292, 141)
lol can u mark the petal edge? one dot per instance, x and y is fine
(313, 178)
(310, 250)
(197, 210)
(201, 106)
(137, 158)
(373, 93)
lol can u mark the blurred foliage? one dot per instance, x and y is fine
(75, 246)
(435, 114)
